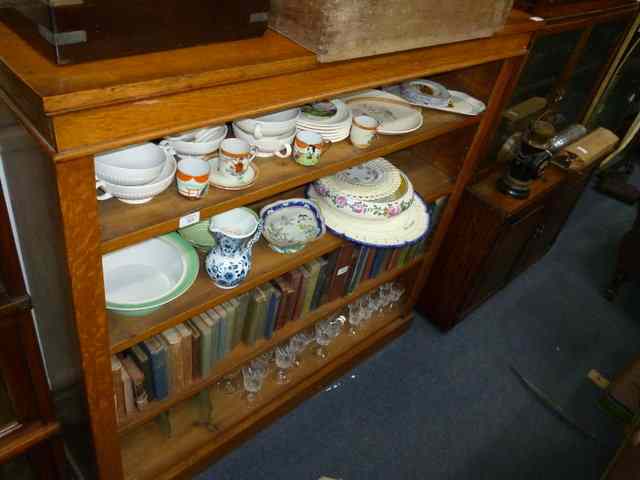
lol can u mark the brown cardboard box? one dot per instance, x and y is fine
(590, 148)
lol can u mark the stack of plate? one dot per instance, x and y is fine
(372, 204)
(141, 278)
(134, 174)
(331, 119)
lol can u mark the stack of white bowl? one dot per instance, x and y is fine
(332, 120)
(270, 133)
(134, 174)
(199, 142)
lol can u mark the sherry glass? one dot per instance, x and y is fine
(355, 318)
(397, 292)
(298, 344)
(323, 338)
(228, 384)
(253, 377)
(285, 358)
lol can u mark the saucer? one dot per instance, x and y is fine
(225, 183)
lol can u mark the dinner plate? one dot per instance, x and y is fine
(143, 277)
(460, 103)
(395, 115)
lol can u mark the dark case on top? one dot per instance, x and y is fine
(73, 31)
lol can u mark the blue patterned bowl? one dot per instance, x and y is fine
(289, 225)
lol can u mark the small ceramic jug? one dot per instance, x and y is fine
(235, 157)
(308, 147)
(235, 232)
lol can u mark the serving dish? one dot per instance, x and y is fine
(380, 209)
(289, 225)
(271, 125)
(202, 141)
(267, 146)
(398, 231)
(199, 236)
(141, 278)
(129, 166)
(460, 103)
(425, 93)
(395, 115)
(139, 194)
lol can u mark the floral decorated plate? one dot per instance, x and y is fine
(369, 181)
(289, 225)
(403, 229)
(380, 209)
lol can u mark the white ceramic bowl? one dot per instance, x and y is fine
(135, 165)
(142, 273)
(190, 147)
(140, 193)
(267, 146)
(271, 125)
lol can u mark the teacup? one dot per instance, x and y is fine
(193, 177)
(308, 147)
(235, 157)
(363, 131)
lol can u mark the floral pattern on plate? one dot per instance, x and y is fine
(290, 224)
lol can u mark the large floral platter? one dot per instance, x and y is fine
(356, 206)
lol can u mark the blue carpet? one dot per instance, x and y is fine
(448, 407)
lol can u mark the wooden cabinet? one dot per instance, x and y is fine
(493, 239)
(78, 111)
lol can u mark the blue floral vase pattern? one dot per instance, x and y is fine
(229, 262)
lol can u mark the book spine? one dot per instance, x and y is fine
(118, 387)
(144, 364)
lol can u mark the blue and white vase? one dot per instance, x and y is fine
(235, 232)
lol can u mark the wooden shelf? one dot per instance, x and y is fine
(234, 419)
(243, 353)
(122, 224)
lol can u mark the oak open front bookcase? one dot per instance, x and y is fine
(65, 115)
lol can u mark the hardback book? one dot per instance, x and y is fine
(140, 397)
(129, 400)
(236, 304)
(356, 274)
(377, 262)
(259, 315)
(158, 357)
(206, 352)
(118, 387)
(368, 265)
(271, 317)
(345, 261)
(187, 352)
(313, 269)
(144, 364)
(230, 309)
(173, 344)
(332, 258)
(212, 318)
(300, 291)
(388, 264)
(322, 278)
(250, 320)
(402, 256)
(221, 314)
(287, 301)
(241, 318)
(196, 347)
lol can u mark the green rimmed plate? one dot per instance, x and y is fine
(141, 278)
(199, 236)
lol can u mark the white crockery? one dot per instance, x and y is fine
(268, 146)
(136, 165)
(271, 125)
(142, 273)
(140, 193)
(189, 143)
(363, 131)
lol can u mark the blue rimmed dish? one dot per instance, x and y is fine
(289, 225)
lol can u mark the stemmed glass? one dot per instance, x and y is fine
(356, 316)
(397, 291)
(253, 377)
(228, 383)
(285, 358)
(298, 344)
(326, 331)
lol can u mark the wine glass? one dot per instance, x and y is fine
(323, 338)
(228, 384)
(355, 318)
(298, 344)
(397, 292)
(285, 358)
(253, 378)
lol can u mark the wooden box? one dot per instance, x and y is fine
(345, 29)
(71, 31)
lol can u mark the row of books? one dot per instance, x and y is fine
(171, 361)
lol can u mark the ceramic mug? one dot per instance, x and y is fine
(363, 131)
(193, 177)
(235, 157)
(308, 147)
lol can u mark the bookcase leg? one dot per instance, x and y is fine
(79, 210)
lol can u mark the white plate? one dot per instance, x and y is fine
(461, 103)
(399, 231)
(396, 115)
(143, 273)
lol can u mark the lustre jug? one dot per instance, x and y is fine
(235, 233)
